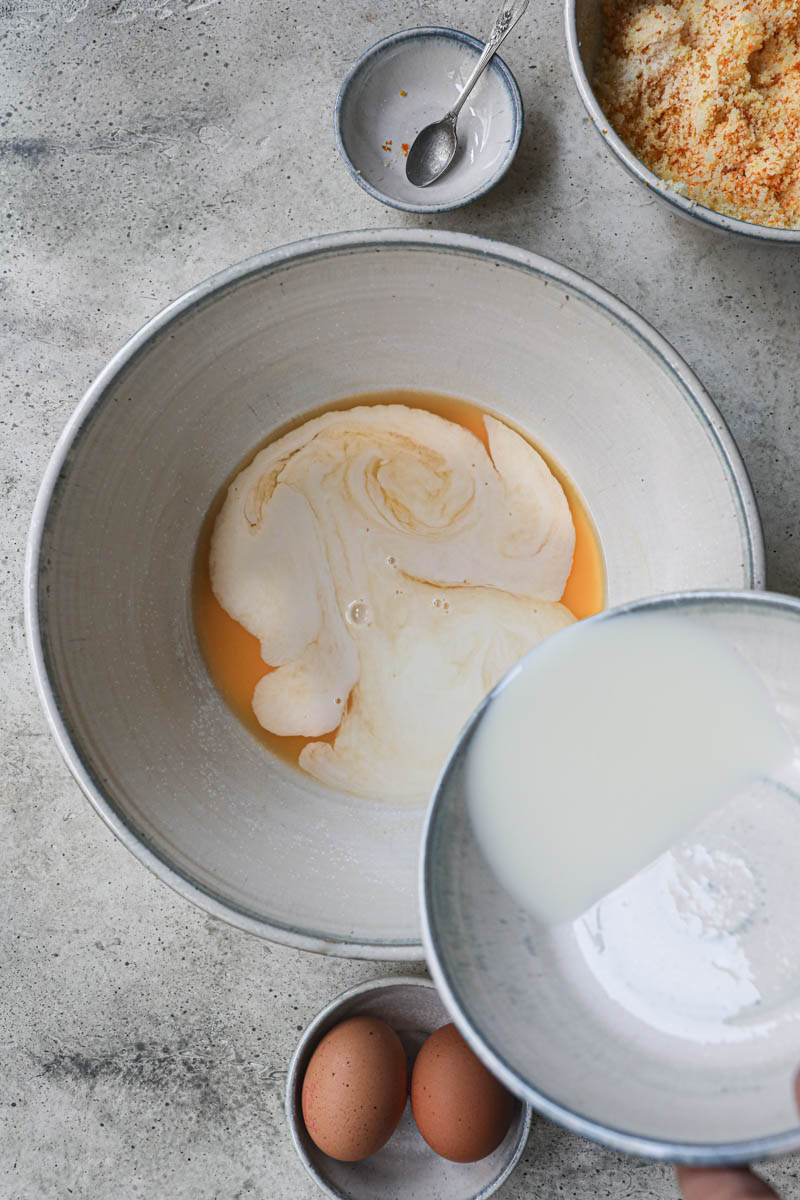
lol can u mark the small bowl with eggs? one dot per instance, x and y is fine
(310, 514)
(698, 106)
(385, 1099)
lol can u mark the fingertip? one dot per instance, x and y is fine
(726, 1183)
(722, 1183)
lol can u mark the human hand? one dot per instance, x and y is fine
(716, 1183)
(726, 1183)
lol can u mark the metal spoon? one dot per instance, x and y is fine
(435, 146)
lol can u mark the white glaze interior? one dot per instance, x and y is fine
(431, 69)
(163, 758)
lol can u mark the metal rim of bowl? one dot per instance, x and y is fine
(265, 263)
(294, 1082)
(642, 174)
(405, 35)
(659, 1149)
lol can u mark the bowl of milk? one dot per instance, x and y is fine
(609, 877)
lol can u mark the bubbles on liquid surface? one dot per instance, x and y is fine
(357, 613)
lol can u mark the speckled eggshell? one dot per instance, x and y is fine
(460, 1109)
(355, 1089)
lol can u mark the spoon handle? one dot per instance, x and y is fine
(507, 18)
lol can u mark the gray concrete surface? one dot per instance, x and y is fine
(143, 146)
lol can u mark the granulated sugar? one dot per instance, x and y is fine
(707, 94)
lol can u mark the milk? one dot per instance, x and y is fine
(608, 745)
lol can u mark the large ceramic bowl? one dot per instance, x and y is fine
(165, 762)
(664, 1022)
(584, 29)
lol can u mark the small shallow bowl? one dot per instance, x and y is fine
(584, 29)
(148, 736)
(406, 1167)
(666, 1024)
(402, 84)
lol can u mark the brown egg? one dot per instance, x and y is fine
(355, 1088)
(460, 1109)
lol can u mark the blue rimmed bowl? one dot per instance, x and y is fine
(404, 82)
(584, 33)
(148, 736)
